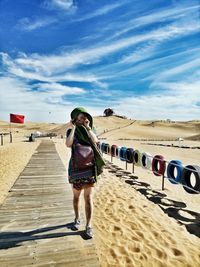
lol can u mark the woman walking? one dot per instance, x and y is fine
(85, 164)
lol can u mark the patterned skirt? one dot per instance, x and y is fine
(80, 179)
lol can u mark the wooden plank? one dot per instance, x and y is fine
(35, 218)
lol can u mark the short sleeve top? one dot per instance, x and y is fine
(75, 137)
(68, 132)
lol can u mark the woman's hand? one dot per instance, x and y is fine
(87, 123)
(71, 124)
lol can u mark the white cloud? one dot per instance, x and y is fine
(50, 70)
(168, 74)
(58, 89)
(150, 69)
(183, 14)
(31, 24)
(17, 96)
(101, 11)
(65, 5)
(176, 103)
(26, 24)
(54, 64)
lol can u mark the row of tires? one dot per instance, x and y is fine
(174, 170)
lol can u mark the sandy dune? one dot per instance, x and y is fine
(135, 222)
(150, 130)
(114, 125)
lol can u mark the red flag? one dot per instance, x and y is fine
(16, 118)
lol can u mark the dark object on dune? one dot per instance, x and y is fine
(32, 138)
(121, 116)
(51, 135)
(108, 112)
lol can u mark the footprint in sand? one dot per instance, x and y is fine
(176, 252)
(108, 211)
(129, 261)
(139, 234)
(133, 226)
(117, 228)
(135, 238)
(161, 254)
(123, 251)
(144, 256)
(113, 253)
(156, 234)
(136, 249)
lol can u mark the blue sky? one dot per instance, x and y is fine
(139, 57)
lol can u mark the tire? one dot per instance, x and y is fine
(122, 153)
(146, 160)
(161, 170)
(129, 155)
(137, 156)
(170, 171)
(186, 178)
(106, 148)
(117, 151)
(102, 147)
(113, 150)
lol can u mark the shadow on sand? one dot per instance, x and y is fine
(173, 208)
(14, 239)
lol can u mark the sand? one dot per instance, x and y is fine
(119, 128)
(135, 222)
(132, 230)
(13, 158)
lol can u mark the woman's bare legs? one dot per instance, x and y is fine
(76, 202)
(88, 205)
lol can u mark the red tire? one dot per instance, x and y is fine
(158, 160)
(113, 150)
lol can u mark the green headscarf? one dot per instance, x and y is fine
(75, 112)
(82, 134)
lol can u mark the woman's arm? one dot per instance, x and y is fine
(70, 137)
(93, 136)
(90, 132)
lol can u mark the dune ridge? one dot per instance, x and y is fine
(135, 222)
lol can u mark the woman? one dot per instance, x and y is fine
(79, 132)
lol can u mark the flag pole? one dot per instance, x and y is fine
(10, 133)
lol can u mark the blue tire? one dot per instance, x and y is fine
(122, 153)
(175, 164)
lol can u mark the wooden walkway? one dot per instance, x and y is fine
(36, 216)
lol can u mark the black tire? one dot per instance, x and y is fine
(130, 155)
(187, 171)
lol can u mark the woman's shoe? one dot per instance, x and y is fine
(89, 231)
(76, 224)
